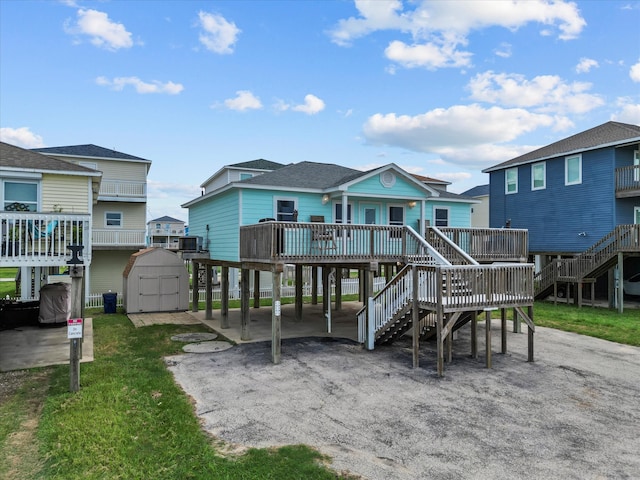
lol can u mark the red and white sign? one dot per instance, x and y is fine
(74, 328)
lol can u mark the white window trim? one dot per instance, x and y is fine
(25, 179)
(506, 181)
(106, 225)
(333, 212)
(566, 170)
(404, 213)
(448, 215)
(636, 210)
(636, 163)
(285, 199)
(544, 176)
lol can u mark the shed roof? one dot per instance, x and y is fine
(607, 134)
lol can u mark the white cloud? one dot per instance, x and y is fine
(453, 176)
(503, 50)
(586, 64)
(629, 112)
(118, 83)
(544, 93)
(219, 35)
(311, 105)
(634, 72)
(244, 100)
(463, 134)
(438, 28)
(103, 32)
(22, 137)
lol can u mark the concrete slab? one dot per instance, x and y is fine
(194, 337)
(33, 346)
(207, 347)
(571, 414)
(160, 318)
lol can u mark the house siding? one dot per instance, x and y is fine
(374, 187)
(123, 170)
(459, 213)
(69, 192)
(221, 213)
(106, 270)
(556, 215)
(133, 214)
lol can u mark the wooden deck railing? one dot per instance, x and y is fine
(628, 181)
(447, 247)
(41, 239)
(489, 244)
(115, 237)
(298, 242)
(452, 288)
(121, 188)
(624, 238)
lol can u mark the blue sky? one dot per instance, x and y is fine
(442, 89)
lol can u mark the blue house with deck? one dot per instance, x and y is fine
(579, 198)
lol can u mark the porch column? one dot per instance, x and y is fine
(208, 293)
(345, 221)
(338, 305)
(276, 318)
(326, 290)
(196, 286)
(256, 289)
(224, 297)
(314, 285)
(298, 282)
(620, 291)
(244, 304)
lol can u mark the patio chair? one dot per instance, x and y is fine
(322, 239)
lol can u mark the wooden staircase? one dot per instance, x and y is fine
(591, 263)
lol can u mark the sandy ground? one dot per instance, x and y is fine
(572, 414)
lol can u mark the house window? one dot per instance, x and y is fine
(637, 215)
(22, 196)
(337, 209)
(244, 176)
(511, 181)
(441, 216)
(113, 219)
(636, 166)
(396, 218)
(573, 170)
(284, 209)
(539, 176)
(158, 226)
(91, 165)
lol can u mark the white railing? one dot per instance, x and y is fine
(118, 237)
(121, 188)
(41, 239)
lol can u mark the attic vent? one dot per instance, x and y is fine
(387, 179)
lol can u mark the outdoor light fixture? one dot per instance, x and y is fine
(325, 199)
(411, 204)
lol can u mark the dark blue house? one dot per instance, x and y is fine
(573, 195)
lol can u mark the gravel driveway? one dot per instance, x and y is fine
(572, 414)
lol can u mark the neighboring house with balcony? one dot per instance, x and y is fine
(47, 204)
(479, 212)
(579, 198)
(164, 232)
(119, 217)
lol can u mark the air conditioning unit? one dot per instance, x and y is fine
(190, 244)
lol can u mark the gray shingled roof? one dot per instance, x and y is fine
(166, 219)
(306, 175)
(88, 150)
(477, 191)
(259, 164)
(610, 133)
(16, 157)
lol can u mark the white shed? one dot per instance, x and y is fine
(155, 280)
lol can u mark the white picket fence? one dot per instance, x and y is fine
(350, 286)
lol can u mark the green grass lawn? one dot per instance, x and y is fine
(131, 421)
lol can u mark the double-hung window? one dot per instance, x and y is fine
(20, 195)
(511, 181)
(396, 218)
(285, 208)
(441, 216)
(573, 170)
(113, 219)
(539, 176)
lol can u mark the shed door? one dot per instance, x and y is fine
(158, 293)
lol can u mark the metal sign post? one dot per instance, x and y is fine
(75, 331)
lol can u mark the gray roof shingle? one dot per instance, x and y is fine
(306, 175)
(16, 157)
(609, 133)
(259, 164)
(166, 219)
(477, 191)
(89, 150)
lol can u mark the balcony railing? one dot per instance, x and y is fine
(41, 239)
(488, 244)
(299, 242)
(628, 181)
(118, 238)
(121, 188)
